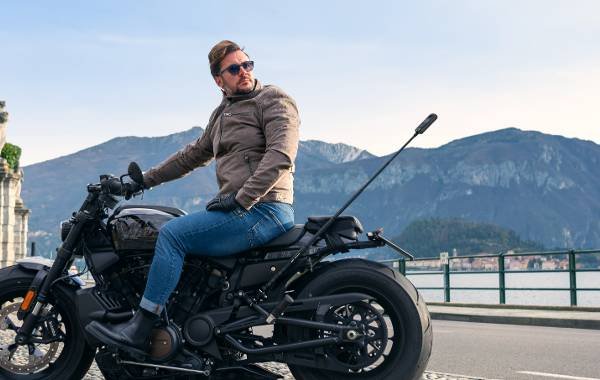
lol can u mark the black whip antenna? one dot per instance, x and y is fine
(419, 130)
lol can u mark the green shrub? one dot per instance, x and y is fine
(11, 153)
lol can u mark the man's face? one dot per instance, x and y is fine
(242, 83)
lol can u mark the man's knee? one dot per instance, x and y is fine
(169, 241)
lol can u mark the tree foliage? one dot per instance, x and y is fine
(429, 237)
(11, 153)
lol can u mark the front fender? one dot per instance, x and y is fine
(36, 264)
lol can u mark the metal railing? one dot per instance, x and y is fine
(501, 270)
(500, 259)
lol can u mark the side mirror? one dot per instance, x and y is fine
(135, 173)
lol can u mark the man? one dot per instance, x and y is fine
(253, 136)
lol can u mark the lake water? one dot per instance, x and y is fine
(512, 280)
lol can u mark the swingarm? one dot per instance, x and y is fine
(327, 334)
(253, 315)
(270, 312)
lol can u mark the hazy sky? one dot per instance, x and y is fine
(77, 73)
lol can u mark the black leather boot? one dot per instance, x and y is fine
(132, 336)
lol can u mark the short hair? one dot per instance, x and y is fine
(218, 53)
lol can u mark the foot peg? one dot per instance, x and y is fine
(279, 309)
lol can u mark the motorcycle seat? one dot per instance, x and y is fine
(346, 226)
(287, 239)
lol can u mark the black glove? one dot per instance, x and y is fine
(223, 202)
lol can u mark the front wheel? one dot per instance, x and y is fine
(394, 331)
(59, 351)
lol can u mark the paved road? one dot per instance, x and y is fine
(467, 350)
(491, 351)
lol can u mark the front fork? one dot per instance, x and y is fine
(64, 259)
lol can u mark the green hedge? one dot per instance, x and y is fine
(11, 153)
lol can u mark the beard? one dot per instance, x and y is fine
(242, 90)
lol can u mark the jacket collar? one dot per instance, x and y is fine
(236, 98)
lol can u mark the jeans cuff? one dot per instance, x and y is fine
(150, 306)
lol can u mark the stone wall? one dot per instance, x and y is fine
(3, 120)
(13, 214)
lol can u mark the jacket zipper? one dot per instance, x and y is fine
(223, 114)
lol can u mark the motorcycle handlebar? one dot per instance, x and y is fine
(111, 185)
(115, 186)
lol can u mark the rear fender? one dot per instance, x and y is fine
(356, 264)
(326, 266)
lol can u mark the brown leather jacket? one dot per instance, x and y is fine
(254, 139)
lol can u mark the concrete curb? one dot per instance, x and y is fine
(511, 306)
(518, 320)
(580, 318)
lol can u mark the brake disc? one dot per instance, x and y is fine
(21, 359)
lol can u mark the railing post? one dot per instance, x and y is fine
(573, 277)
(501, 279)
(402, 266)
(446, 267)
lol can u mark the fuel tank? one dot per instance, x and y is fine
(135, 227)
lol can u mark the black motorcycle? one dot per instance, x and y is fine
(282, 302)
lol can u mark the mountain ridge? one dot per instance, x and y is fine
(542, 186)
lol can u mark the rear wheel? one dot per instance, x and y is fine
(63, 354)
(393, 330)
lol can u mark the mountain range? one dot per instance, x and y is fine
(544, 187)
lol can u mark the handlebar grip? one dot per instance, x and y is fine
(115, 187)
(426, 123)
(111, 186)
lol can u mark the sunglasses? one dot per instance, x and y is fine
(235, 68)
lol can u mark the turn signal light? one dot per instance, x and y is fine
(29, 297)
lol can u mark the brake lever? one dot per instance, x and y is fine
(125, 186)
(128, 195)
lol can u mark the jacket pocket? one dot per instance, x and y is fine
(251, 162)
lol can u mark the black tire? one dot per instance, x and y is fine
(412, 332)
(76, 356)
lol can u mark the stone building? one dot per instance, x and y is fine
(13, 214)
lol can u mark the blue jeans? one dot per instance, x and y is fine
(209, 233)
